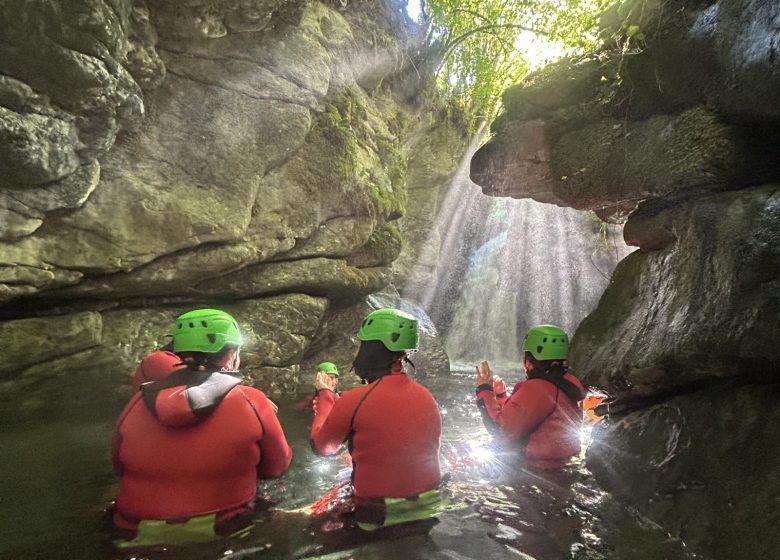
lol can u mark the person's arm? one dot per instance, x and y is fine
(523, 412)
(332, 421)
(275, 452)
(499, 388)
(488, 405)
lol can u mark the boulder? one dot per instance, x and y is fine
(708, 305)
(705, 466)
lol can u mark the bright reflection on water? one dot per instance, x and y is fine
(56, 479)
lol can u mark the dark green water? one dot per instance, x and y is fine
(56, 481)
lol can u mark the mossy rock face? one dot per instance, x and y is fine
(319, 276)
(706, 306)
(705, 466)
(251, 165)
(381, 249)
(100, 351)
(27, 342)
(687, 98)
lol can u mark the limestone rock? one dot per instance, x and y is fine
(319, 276)
(35, 148)
(705, 465)
(100, 351)
(434, 158)
(706, 306)
(27, 342)
(24, 210)
(73, 56)
(609, 162)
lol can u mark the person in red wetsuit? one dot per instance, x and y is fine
(332, 373)
(189, 448)
(542, 415)
(156, 366)
(392, 425)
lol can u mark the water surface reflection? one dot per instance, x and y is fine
(57, 478)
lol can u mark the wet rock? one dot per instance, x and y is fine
(433, 161)
(142, 60)
(35, 148)
(706, 306)
(102, 350)
(609, 162)
(27, 342)
(650, 228)
(73, 57)
(381, 249)
(683, 464)
(22, 211)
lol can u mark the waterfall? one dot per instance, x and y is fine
(506, 265)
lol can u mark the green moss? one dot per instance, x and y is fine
(354, 147)
(381, 249)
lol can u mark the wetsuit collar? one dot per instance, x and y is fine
(186, 396)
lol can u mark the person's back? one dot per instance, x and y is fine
(392, 426)
(555, 417)
(189, 448)
(542, 416)
(396, 431)
(176, 462)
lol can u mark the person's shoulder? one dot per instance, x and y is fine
(354, 393)
(249, 391)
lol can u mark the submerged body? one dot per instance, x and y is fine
(193, 445)
(540, 417)
(394, 431)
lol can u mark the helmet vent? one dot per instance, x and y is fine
(192, 325)
(370, 321)
(539, 349)
(395, 336)
(544, 339)
(179, 325)
(555, 339)
(212, 338)
(204, 324)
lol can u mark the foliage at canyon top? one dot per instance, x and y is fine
(477, 42)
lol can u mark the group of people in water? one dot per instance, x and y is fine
(193, 441)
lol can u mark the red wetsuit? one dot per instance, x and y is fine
(540, 416)
(394, 428)
(156, 366)
(194, 444)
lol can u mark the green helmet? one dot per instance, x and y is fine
(395, 329)
(547, 342)
(329, 368)
(205, 330)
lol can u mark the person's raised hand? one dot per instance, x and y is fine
(323, 381)
(484, 374)
(498, 385)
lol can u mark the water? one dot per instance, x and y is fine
(57, 479)
(506, 265)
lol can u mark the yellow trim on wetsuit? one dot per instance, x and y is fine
(153, 532)
(404, 510)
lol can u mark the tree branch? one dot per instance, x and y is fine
(458, 40)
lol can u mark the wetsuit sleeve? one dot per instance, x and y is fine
(332, 422)
(275, 452)
(490, 408)
(528, 406)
